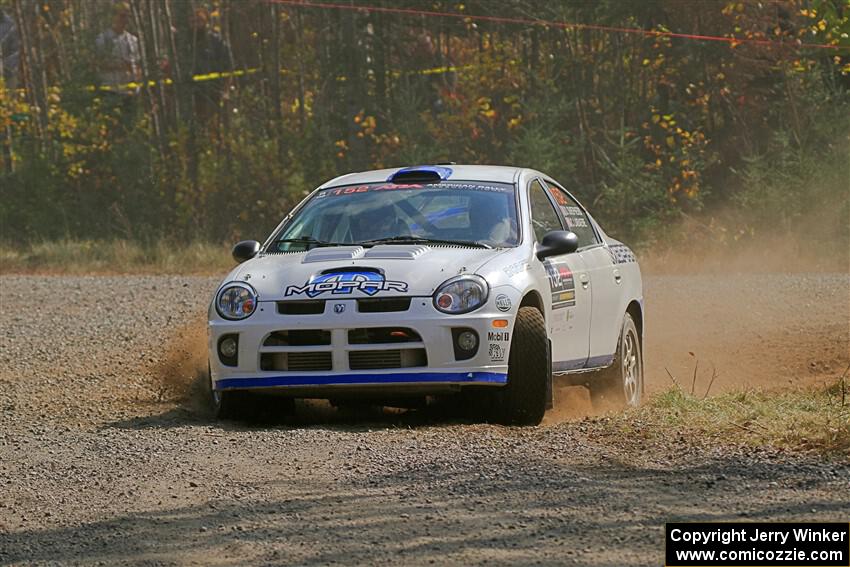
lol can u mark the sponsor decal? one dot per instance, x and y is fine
(499, 336)
(498, 349)
(352, 189)
(516, 268)
(576, 222)
(473, 187)
(503, 302)
(369, 283)
(369, 188)
(574, 216)
(561, 284)
(496, 352)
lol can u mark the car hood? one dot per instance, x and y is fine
(354, 271)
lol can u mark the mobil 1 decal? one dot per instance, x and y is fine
(498, 345)
(561, 284)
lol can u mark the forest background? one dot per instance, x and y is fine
(671, 138)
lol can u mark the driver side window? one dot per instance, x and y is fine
(574, 216)
(544, 218)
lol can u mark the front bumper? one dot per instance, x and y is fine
(441, 371)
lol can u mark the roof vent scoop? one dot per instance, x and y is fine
(420, 174)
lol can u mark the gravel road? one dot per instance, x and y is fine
(98, 465)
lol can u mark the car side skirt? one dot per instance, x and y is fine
(571, 374)
(589, 365)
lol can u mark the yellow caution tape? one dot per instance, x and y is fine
(243, 72)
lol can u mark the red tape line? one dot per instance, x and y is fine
(563, 25)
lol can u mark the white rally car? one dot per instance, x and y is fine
(399, 284)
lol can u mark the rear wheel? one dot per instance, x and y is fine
(523, 400)
(621, 384)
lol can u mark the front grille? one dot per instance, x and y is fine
(296, 361)
(382, 335)
(311, 337)
(381, 359)
(314, 307)
(383, 305)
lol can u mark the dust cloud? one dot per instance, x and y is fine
(180, 375)
(759, 315)
(759, 319)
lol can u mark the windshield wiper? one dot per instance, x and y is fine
(311, 240)
(424, 240)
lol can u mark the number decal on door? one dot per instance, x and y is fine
(561, 284)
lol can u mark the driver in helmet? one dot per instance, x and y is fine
(489, 220)
(380, 221)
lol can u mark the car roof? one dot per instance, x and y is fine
(494, 173)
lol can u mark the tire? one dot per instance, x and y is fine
(523, 400)
(621, 384)
(226, 405)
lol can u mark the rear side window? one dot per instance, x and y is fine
(544, 218)
(574, 216)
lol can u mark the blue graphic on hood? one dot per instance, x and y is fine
(341, 283)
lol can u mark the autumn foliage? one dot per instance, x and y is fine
(644, 127)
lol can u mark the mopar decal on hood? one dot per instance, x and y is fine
(347, 272)
(368, 282)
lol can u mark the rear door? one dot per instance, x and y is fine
(570, 294)
(605, 278)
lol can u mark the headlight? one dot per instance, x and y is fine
(236, 301)
(461, 294)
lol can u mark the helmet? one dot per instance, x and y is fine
(378, 221)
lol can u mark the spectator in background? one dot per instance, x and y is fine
(118, 52)
(209, 55)
(10, 50)
(430, 74)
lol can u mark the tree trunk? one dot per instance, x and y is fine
(274, 72)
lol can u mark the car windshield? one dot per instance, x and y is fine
(469, 212)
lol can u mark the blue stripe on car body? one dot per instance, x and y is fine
(343, 379)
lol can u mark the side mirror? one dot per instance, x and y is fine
(245, 250)
(556, 243)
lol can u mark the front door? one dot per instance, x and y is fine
(605, 278)
(569, 287)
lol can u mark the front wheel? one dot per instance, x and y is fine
(523, 400)
(224, 404)
(621, 384)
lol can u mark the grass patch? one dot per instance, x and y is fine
(813, 420)
(115, 256)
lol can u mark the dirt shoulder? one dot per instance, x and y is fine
(99, 464)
